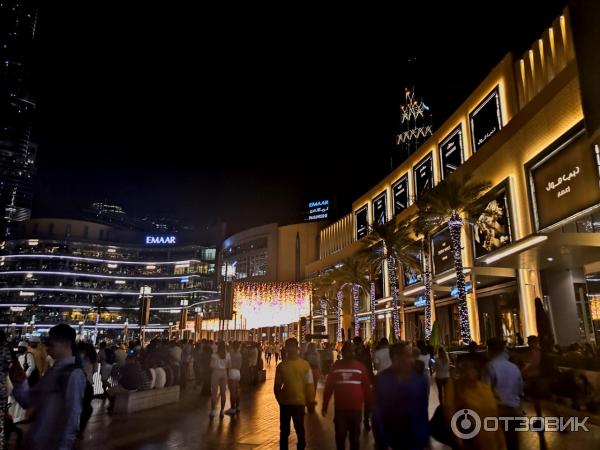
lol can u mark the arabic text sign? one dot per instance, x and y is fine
(451, 152)
(442, 251)
(565, 183)
(486, 120)
(400, 194)
(362, 223)
(423, 173)
(318, 210)
(380, 208)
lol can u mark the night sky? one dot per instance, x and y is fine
(209, 115)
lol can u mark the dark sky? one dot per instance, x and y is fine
(244, 115)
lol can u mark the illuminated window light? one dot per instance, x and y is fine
(112, 266)
(92, 275)
(112, 250)
(29, 275)
(26, 294)
(517, 247)
(182, 266)
(33, 242)
(150, 267)
(450, 277)
(409, 292)
(97, 260)
(119, 281)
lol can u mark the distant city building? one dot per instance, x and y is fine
(91, 275)
(17, 106)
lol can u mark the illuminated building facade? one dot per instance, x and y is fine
(266, 265)
(524, 130)
(91, 274)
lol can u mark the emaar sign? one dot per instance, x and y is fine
(153, 240)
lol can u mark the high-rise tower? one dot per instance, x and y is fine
(17, 106)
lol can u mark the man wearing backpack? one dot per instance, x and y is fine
(58, 396)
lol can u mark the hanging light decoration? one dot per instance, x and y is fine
(272, 304)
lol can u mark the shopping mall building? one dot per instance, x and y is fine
(531, 130)
(97, 277)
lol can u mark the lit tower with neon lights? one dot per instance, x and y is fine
(415, 124)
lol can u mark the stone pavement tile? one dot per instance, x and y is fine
(186, 425)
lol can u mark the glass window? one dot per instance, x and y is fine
(258, 265)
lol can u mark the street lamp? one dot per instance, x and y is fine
(183, 316)
(198, 322)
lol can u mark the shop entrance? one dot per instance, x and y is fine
(499, 314)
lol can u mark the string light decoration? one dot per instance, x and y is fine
(356, 307)
(373, 306)
(272, 304)
(395, 303)
(416, 123)
(454, 226)
(340, 299)
(427, 280)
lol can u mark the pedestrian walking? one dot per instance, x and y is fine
(468, 391)
(350, 384)
(293, 387)
(5, 360)
(441, 369)
(505, 379)
(234, 379)
(57, 398)
(220, 364)
(312, 357)
(400, 411)
(381, 357)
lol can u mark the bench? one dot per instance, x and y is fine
(128, 402)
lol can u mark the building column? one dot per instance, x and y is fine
(529, 288)
(388, 325)
(473, 309)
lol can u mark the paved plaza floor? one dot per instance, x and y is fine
(187, 425)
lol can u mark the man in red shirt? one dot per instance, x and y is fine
(349, 380)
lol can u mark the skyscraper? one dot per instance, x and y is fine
(17, 106)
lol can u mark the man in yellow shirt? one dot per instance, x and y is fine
(293, 386)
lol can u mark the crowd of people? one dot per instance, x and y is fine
(384, 389)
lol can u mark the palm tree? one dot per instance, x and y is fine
(450, 203)
(324, 293)
(374, 264)
(392, 242)
(422, 228)
(352, 272)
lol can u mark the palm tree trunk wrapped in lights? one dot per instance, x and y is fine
(340, 299)
(447, 204)
(393, 243)
(373, 306)
(356, 307)
(427, 282)
(455, 226)
(396, 322)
